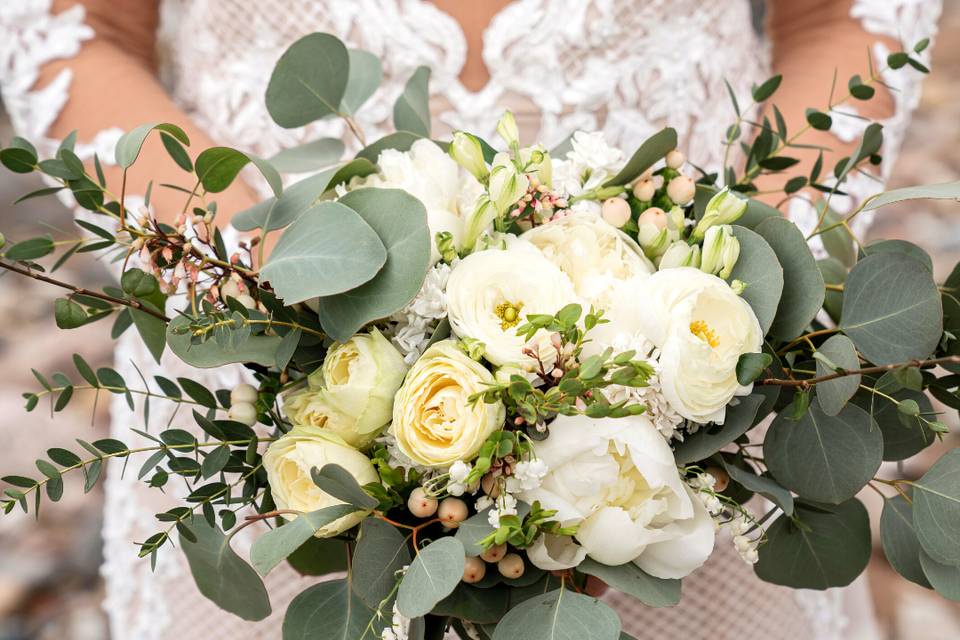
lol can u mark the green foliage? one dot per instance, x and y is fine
(650, 151)
(20, 156)
(331, 608)
(559, 615)
(632, 580)
(31, 249)
(319, 557)
(309, 81)
(337, 482)
(381, 552)
(434, 573)
(310, 156)
(759, 269)
(206, 354)
(936, 509)
(274, 546)
(838, 356)
(709, 439)
(278, 212)
(366, 73)
(899, 539)
(217, 168)
(945, 578)
(751, 366)
(412, 109)
(128, 146)
(399, 140)
(903, 435)
(762, 485)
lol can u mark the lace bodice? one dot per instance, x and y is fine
(626, 68)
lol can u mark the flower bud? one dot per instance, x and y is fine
(653, 241)
(507, 129)
(507, 184)
(720, 251)
(681, 190)
(644, 190)
(675, 159)
(725, 207)
(467, 152)
(680, 254)
(482, 217)
(616, 212)
(738, 286)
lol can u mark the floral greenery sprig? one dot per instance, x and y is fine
(521, 532)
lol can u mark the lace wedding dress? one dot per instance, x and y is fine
(626, 68)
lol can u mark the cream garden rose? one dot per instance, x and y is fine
(288, 462)
(592, 253)
(490, 292)
(351, 395)
(434, 422)
(617, 481)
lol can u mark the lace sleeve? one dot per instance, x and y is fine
(906, 21)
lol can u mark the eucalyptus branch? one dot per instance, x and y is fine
(269, 322)
(133, 304)
(807, 383)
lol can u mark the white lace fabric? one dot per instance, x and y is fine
(625, 68)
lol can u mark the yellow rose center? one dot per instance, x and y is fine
(703, 331)
(509, 314)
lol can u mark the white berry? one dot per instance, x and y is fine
(644, 190)
(616, 211)
(655, 216)
(511, 566)
(494, 553)
(243, 412)
(243, 392)
(675, 159)
(681, 189)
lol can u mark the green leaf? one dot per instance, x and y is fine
(278, 212)
(217, 168)
(899, 246)
(129, 145)
(221, 575)
(432, 576)
(892, 309)
(176, 151)
(838, 241)
(68, 314)
(762, 485)
(944, 578)
(903, 437)
(329, 610)
(309, 81)
(824, 458)
(899, 539)
(259, 349)
(19, 159)
(766, 89)
(337, 482)
(381, 553)
(653, 149)
(834, 394)
(632, 580)
(819, 120)
(400, 140)
(39, 193)
(833, 272)
(475, 604)
(411, 112)
(759, 269)
(30, 249)
(751, 366)
(319, 557)
(830, 548)
(273, 547)
(327, 250)
(400, 221)
(366, 72)
(709, 439)
(559, 615)
(803, 289)
(152, 330)
(472, 530)
(310, 156)
(936, 509)
(869, 144)
(943, 191)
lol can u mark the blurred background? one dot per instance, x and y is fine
(49, 578)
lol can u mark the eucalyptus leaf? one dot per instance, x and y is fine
(400, 221)
(327, 250)
(221, 575)
(899, 539)
(834, 394)
(762, 485)
(709, 439)
(258, 349)
(936, 509)
(892, 309)
(381, 552)
(899, 246)
(432, 576)
(943, 191)
(903, 437)
(309, 81)
(824, 458)
(944, 578)
(758, 268)
(366, 73)
(273, 547)
(152, 331)
(474, 604)
(632, 580)
(399, 140)
(129, 145)
(330, 610)
(339, 483)
(309, 156)
(278, 212)
(830, 547)
(834, 273)
(412, 109)
(651, 150)
(319, 557)
(559, 615)
(472, 530)
(217, 168)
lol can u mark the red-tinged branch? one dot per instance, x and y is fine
(809, 382)
(133, 304)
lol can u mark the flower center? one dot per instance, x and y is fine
(509, 314)
(703, 331)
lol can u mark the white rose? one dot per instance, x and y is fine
(431, 176)
(434, 422)
(490, 292)
(594, 255)
(288, 462)
(617, 481)
(351, 395)
(701, 328)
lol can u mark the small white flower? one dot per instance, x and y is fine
(457, 484)
(530, 473)
(506, 505)
(483, 502)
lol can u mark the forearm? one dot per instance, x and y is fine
(115, 85)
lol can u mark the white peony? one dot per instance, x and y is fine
(617, 481)
(427, 173)
(701, 328)
(490, 292)
(595, 255)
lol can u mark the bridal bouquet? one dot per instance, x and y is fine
(481, 373)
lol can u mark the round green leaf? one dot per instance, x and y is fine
(892, 309)
(936, 509)
(475, 604)
(412, 109)
(559, 615)
(432, 576)
(327, 250)
(903, 436)
(824, 458)
(899, 246)
(632, 580)
(834, 394)
(803, 289)
(899, 539)
(129, 144)
(400, 221)
(711, 438)
(329, 610)
(308, 157)
(381, 552)
(758, 268)
(829, 547)
(945, 578)
(366, 72)
(278, 212)
(309, 81)
(273, 547)
(217, 168)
